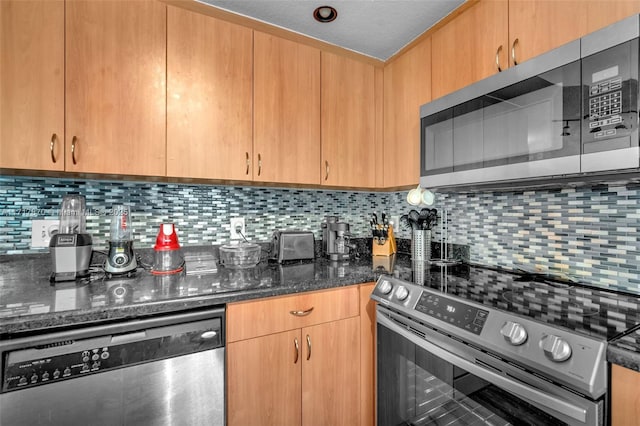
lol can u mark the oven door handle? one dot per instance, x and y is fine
(525, 392)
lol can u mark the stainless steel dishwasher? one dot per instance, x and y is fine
(166, 370)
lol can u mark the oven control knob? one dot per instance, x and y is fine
(555, 348)
(385, 287)
(402, 293)
(514, 333)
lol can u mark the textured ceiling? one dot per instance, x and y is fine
(376, 28)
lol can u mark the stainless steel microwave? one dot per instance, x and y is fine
(570, 111)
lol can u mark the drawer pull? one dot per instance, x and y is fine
(301, 313)
(297, 348)
(308, 347)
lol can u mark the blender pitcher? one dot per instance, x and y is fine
(121, 259)
(72, 220)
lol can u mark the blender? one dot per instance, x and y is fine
(71, 247)
(121, 259)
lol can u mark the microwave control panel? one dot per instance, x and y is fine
(605, 107)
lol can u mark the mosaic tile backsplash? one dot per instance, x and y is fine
(587, 233)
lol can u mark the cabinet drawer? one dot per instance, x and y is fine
(258, 318)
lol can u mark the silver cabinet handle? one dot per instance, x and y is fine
(498, 58)
(248, 163)
(297, 348)
(301, 313)
(513, 51)
(54, 139)
(259, 164)
(308, 347)
(326, 170)
(74, 140)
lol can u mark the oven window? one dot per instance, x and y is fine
(418, 388)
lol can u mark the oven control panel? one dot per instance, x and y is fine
(454, 312)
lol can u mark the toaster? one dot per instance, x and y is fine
(292, 245)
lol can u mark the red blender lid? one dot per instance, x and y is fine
(167, 238)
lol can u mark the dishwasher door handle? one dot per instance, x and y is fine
(130, 337)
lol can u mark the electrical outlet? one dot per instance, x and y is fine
(237, 223)
(42, 231)
(395, 220)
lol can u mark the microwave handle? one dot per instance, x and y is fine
(525, 392)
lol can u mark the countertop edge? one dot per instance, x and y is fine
(623, 357)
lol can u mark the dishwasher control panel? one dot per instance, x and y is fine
(65, 359)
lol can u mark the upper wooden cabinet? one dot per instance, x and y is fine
(209, 97)
(348, 122)
(601, 13)
(286, 123)
(32, 84)
(407, 85)
(470, 47)
(537, 26)
(115, 55)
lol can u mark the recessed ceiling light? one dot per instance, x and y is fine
(325, 14)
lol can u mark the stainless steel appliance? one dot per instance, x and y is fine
(292, 245)
(479, 346)
(121, 259)
(570, 111)
(158, 371)
(336, 238)
(72, 247)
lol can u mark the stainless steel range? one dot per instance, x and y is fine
(479, 346)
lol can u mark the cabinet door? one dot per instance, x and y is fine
(348, 122)
(465, 49)
(331, 373)
(115, 85)
(625, 399)
(209, 105)
(264, 380)
(537, 26)
(367, 355)
(601, 13)
(32, 84)
(286, 127)
(407, 85)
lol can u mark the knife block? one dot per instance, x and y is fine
(389, 246)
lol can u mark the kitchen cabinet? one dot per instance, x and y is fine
(115, 58)
(348, 127)
(286, 124)
(470, 47)
(209, 97)
(295, 360)
(407, 85)
(32, 84)
(537, 26)
(367, 355)
(625, 399)
(601, 13)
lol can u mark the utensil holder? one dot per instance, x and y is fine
(421, 245)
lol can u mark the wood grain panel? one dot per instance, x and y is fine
(348, 122)
(542, 25)
(209, 97)
(367, 356)
(258, 318)
(625, 398)
(407, 85)
(601, 13)
(32, 84)
(464, 50)
(286, 124)
(264, 381)
(331, 375)
(115, 84)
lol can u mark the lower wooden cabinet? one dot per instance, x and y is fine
(311, 375)
(625, 398)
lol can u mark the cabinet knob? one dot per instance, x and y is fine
(54, 139)
(513, 51)
(498, 58)
(74, 140)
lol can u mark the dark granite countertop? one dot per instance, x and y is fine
(625, 350)
(29, 303)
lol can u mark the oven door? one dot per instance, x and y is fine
(426, 378)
